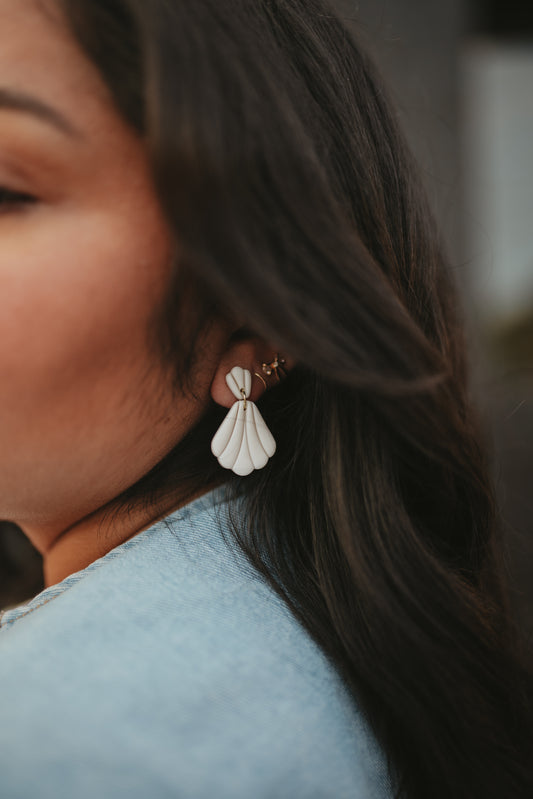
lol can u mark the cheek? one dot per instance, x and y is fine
(77, 288)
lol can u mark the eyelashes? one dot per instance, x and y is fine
(12, 200)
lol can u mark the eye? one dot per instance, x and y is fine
(14, 199)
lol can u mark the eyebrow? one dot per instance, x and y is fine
(19, 101)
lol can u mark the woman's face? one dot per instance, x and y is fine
(85, 410)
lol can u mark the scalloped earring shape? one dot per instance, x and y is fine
(243, 442)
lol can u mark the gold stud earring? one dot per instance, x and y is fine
(276, 366)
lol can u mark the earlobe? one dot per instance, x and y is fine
(265, 365)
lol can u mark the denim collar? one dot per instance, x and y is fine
(210, 499)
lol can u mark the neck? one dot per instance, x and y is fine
(77, 546)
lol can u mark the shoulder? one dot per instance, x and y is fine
(172, 667)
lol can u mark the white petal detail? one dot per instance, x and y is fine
(257, 452)
(230, 453)
(224, 432)
(239, 378)
(263, 433)
(243, 442)
(243, 464)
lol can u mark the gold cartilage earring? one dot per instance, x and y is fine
(261, 378)
(276, 366)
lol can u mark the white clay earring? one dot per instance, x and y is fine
(243, 442)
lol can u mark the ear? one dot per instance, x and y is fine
(250, 353)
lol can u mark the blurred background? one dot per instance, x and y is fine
(461, 74)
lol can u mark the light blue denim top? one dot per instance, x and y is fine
(168, 668)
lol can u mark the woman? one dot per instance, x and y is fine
(207, 206)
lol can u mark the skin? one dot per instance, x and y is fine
(85, 410)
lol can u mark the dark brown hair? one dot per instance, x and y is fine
(280, 167)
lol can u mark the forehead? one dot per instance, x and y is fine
(39, 56)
